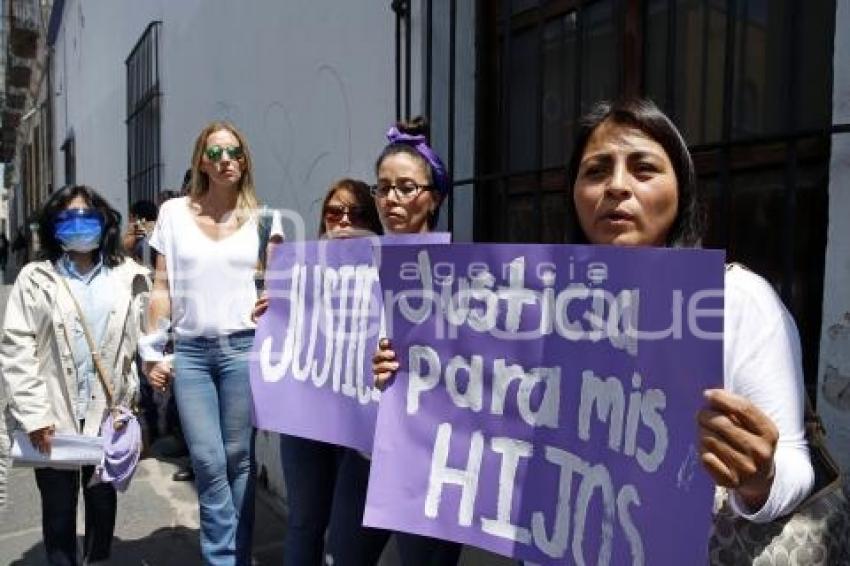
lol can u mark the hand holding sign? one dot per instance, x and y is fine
(260, 307)
(384, 364)
(737, 444)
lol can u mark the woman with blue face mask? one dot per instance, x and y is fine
(49, 376)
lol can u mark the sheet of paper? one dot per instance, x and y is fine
(67, 450)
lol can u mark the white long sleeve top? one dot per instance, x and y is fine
(763, 362)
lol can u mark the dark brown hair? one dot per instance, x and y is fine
(362, 198)
(643, 114)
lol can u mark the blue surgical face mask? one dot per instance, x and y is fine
(78, 229)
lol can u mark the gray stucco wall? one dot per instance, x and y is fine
(834, 366)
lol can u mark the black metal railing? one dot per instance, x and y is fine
(730, 73)
(403, 77)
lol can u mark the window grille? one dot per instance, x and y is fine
(144, 159)
(748, 82)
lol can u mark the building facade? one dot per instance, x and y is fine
(25, 145)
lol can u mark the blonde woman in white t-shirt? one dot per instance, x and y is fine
(204, 290)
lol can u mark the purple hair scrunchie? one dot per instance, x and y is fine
(420, 144)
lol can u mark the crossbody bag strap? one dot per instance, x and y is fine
(95, 354)
(264, 228)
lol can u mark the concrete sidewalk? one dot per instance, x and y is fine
(157, 521)
(157, 524)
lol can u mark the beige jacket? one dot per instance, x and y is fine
(36, 360)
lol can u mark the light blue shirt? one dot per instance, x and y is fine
(94, 293)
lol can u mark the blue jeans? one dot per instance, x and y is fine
(213, 393)
(326, 489)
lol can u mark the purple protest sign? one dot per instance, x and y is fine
(311, 369)
(546, 399)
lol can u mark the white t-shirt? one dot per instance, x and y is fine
(762, 361)
(211, 282)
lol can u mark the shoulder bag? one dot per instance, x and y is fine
(816, 533)
(120, 430)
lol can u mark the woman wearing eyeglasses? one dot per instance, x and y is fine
(411, 185)
(411, 180)
(49, 379)
(204, 291)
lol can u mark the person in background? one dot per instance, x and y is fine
(4, 254)
(412, 183)
(326, 483)
(140, 223)
(178, 448)
(49, 377)
(135, 243)
(204, 291)
(21, 245)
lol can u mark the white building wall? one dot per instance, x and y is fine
(309, 82)
(834, 366)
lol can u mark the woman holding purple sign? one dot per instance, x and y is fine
(632, 183)
(412, 183)
(322, 477)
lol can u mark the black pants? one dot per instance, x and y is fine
(351, 544)
(59, 492)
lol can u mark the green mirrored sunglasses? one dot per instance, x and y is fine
(216, 152)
